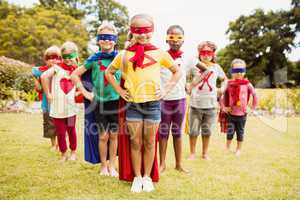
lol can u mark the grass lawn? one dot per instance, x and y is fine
(269, 167)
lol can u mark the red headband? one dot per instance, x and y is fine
(206, 53)
(54, 57)
(141, 30)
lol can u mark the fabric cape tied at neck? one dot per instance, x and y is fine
(175, 54)
(139, 56)
(126, 172)
(236, 86)
(91, 151)
(69, 68)
(100, 56)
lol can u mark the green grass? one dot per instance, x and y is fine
(269, 167)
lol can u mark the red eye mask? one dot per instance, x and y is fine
(52, 57)
(206, 53)
(141, 30)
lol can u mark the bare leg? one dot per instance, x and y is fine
(54, 146)
(177, 144)
(103, 139)
(163, 143)
(238, 148)
(205, 143)
(53, 142)
(193, 142)
(113, 143)
(150, 130)
(228, 144)
(135, 131)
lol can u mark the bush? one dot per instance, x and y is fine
(267, 103)
(11, 69)
(16, 80)
(294, 99)
(24, 82)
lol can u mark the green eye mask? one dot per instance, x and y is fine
(70, 56)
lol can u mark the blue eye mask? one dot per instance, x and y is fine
(238, 70)
(109, 37)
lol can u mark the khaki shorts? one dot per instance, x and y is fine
(48, 126)
(201, 121)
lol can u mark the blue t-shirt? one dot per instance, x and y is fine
(37, 74)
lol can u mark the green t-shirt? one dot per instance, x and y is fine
(103, 91)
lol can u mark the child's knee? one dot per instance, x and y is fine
(136, 144)
(229, 136)
(103, 137)
(113, 137)
(149, 144)
(240, 137)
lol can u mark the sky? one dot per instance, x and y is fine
(201, 20)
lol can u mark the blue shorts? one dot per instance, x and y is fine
(148, 111)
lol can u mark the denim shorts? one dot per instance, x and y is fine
(148, 111)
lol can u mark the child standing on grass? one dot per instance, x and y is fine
(140, 64)
(173, 105)
(203, 101)
(52, 56)
(234, 103)
(103, 96)
(61, 96)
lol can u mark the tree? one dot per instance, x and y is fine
(94, 12)
(112, 11)
(74, 8)
(7, 9)
(262, 40)
(25, 37)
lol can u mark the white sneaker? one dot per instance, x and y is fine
(137, 184)
(72, 157)
(104, 172)
(113, 172)
(147, 184)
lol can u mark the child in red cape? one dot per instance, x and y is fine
(234, 103)
(140, 88)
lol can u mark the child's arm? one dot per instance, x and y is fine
(110, 76)
(223, 78)
(37, 84)
(75, 77)
(176, 74)
(45, 79)
(36, 75)
(224, 102)
(201, 66)
(195, 81)
(254, 96)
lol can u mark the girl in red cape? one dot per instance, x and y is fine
(140, 90)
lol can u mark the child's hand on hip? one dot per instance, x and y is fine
(124, 94)
(49, 97)
(188, 89)
(227, 109)
(89, 96)
(160, 93)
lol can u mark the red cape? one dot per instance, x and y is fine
(125, 167)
